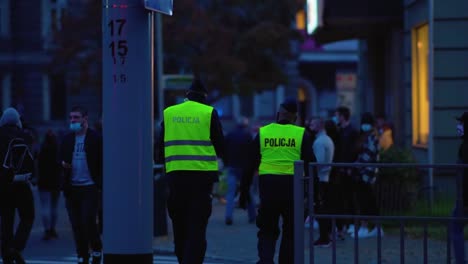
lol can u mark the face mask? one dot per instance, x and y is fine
(460, 130)
(366, 127)
(335, 120)
(75, 127)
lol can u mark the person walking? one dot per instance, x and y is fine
(191, 141)
(324, 150)
(16, 194)
(461, 206)
(81, 156)
(274, 151)
(237, 146)
(49, 183)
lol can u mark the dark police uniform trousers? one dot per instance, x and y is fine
(18, 197)
(189, 206)
(276, 200)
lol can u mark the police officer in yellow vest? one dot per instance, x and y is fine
(274, 151)
(190, 143)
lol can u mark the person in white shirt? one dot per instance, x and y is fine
(324, 149)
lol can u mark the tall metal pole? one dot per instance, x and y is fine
(127, 131)
(159, 64)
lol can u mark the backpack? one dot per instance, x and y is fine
(19, 160)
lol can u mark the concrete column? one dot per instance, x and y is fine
(128, 131)
(6, 91)
(45, 97)
(160, 65)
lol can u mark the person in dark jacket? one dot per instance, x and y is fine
(461, 207)
(346, 153)
(273, 152)
(191, 141)
(49, 183)
(15, 194)
(237, 145)
(81, 159)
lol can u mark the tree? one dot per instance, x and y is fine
(235, 46)
(76, 46)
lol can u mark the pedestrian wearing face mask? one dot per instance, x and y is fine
(345, 152)
(368, 152)
(461, 207)
(81, 156)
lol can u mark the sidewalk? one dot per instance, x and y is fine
(239, 242)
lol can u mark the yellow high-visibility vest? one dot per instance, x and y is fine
(280, 146)
(187, 143)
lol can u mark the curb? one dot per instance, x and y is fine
(167, 251)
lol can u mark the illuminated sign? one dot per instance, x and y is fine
(161, 6)
(346, 81)
(314, 15)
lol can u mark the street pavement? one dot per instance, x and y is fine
(62, 250)
(234, 244)
(238, 243)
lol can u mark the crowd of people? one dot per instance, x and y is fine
(340, 190)
(71, 164)
(259, 162)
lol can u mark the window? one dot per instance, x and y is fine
(300, 20)
(420, 84)
(58, 107)
(53, 19)
(4, 19)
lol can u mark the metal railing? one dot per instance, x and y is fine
(299, 212)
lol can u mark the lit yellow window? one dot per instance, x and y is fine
(301, 94)
(300, 20)
(420, 84)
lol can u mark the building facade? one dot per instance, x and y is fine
(26, 41)
(413, 66)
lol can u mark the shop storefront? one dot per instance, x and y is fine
(413, 65)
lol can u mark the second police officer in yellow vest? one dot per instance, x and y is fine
(274, 151)
(190, 144)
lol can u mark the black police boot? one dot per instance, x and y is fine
(13, 256)
(266, 250)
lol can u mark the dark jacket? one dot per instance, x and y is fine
(49, 167)
(346, 151)
(217, 139)
(237, 145)
(93, 149)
